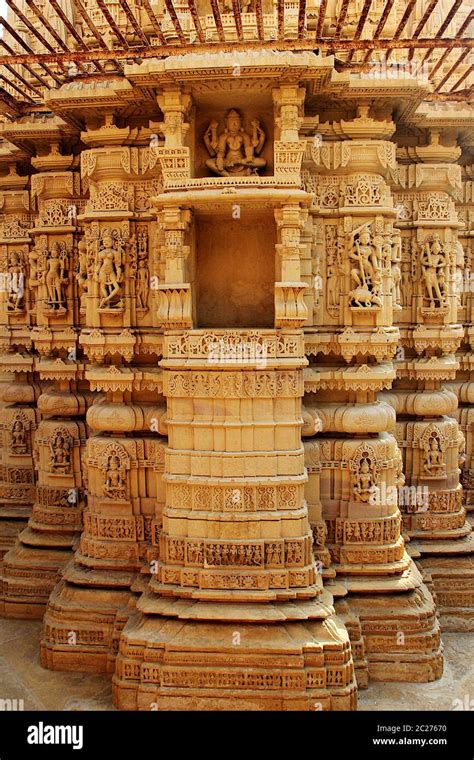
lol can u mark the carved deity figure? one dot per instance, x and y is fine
(114, 485)
(16, 282)
(458, 256)
(335, 268)
(366, 275)
(400, 475)
(143, 284)
(195, 553)
(234, 152)
(18, 441)
(434, 265)
(60, 453)
(433, 457)
(34, 274)
(274, 554)
(82, 273)
(332, 287)
(108, 273)
(55, 279)
(363, 482)
(396, 260)
(406, 285)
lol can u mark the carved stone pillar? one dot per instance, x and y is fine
(15, 240)
(124, 455)
(18, 416)
(353, 345)
(175, 106)
(289, 104)
(290, 306)
(30, 567)
(175, 288)
(19, 419)
(429, 436)
(175, 293)
(463, 387)
(236, 573)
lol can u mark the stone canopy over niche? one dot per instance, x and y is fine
(235, 273)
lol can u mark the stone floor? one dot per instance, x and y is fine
(455, 688)
(23, 678)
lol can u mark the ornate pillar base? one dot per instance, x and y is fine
(354, 629)
(79, 624)
(452, 576)
(174, 663)
(29, 576)
(401, 635)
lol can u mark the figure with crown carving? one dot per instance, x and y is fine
(235, 152)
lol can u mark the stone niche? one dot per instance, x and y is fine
(235, 270)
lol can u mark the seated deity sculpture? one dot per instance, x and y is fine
(18, 444)
(433, 457)
(114, 485)
(364, 487)
(235, 152)
(60, 454)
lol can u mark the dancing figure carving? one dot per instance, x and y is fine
(366, 275)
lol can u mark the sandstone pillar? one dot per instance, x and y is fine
(18, 416)
(123, 459)
(352, 349)
(429, 436)
(31, 566)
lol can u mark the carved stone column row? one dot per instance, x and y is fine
(211, 505)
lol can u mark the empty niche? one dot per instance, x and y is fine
(235, 272)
